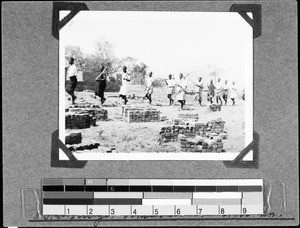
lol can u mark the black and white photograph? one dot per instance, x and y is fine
(142, 113)
(156, 85)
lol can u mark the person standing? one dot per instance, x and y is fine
(71, 75)
(211, 91)
(225, 92)
(233, 93)
(171, 88)
(181, 90)
(125, 85)
(200, 85)
(101, 84)
(149, 87)
(218, 91)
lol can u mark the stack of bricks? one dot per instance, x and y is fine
(215, 107)
(140, 114)
(200, 144)
(192, 128)
(170, 133)
(94, 110)
(84, 147)
(127, 108)
(73, 138)
(188, 116)
(79, 121)
(216, 126)
(143, 116)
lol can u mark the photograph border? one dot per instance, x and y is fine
(226, 157)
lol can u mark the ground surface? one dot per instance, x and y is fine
(143, 137)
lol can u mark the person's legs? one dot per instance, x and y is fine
(233, 101)
(148, 96)
(170, 99)
(73, 97)
(74, 84)
(225, 98)
(150, 99)
(219, 97)
(102, 89)
(200, 99)
(181, 103)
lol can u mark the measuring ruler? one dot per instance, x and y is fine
(153, 197)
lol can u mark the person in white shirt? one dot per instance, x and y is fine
(225, 92)
(218, 91)
(149, 87)
(233, 93)
(71, 76)
(171, 88)
(181, 90)
(125, 85)
(200, 85)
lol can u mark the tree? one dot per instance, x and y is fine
(102, 56)
(76, 53)
(136, 69)
(213, 72)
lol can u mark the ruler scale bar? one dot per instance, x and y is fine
(152, 197)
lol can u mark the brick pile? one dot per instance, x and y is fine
(215, 107)
(140, 114)
(73, 138)
(84, 147)
(200, 144)
(79, 121)
(216, 126)
(188, 115)
(143, 116)
(94, 110)
(192, 128)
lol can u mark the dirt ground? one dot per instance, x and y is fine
(143, 137)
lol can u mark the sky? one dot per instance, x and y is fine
(169, 42)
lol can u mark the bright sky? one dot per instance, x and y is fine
(169, 42)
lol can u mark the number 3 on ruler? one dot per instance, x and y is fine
(112, 211)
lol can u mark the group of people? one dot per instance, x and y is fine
(178, 87)
(221, 91)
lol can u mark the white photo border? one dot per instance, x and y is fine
(226, 156)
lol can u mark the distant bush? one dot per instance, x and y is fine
(113, 85)
(159, 82)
